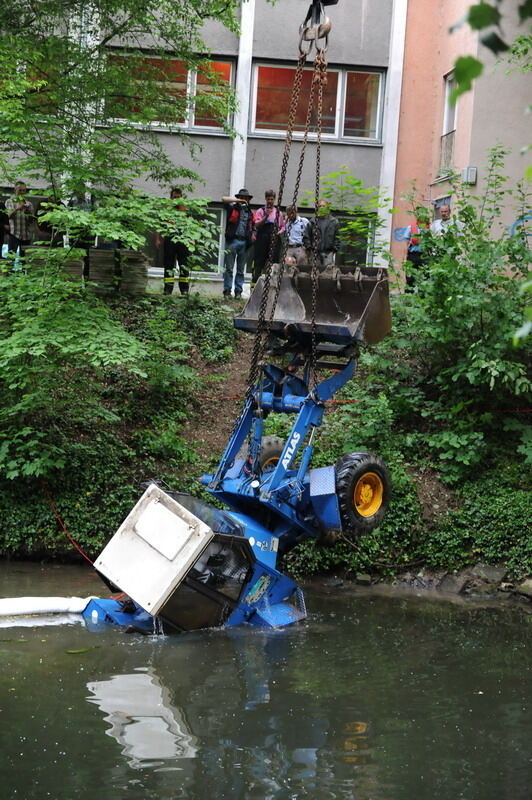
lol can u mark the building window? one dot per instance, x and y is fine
(362, 104)
(274, 89)
(186, 96)
(449, 111)
(449, 126)
(352, 101)
(209, 81)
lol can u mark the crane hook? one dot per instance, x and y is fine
(314, 27)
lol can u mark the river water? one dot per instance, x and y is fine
(372, 698)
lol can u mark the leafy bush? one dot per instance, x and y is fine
(493, 524)
(208, 324)
(56, 344)
(94, 398)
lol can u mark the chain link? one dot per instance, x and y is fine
(259, 344)
(319, 79)
(320, 76)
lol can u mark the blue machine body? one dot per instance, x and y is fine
(273, 510)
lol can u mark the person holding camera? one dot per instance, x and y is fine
(238, 237)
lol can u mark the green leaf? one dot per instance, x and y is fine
(483, 15)
(466, 69)
(80, 650)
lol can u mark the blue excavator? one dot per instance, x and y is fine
(178, 563)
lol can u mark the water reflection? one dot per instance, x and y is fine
(142, 720)
(232, 721)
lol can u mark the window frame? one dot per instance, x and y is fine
(341, 96)
(380, 106)
(188, 124)
(449, 111)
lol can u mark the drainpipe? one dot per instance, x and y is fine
(242, 89)
(390, 128)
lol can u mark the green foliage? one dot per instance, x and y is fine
(488, 19)
(363, 420)
(519, 56)
(92, 496)
(208, 324)
(439, 397)
(492, 525)
(129, 218)
(77, 112)
(56, 344)
(71, 364)
(482, 15)
(80, 422)
(163, 440)
(358, 206)
(452, 364)
(466, 69)
(83, 118)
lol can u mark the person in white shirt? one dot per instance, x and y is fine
(295, 229)
(446, 223)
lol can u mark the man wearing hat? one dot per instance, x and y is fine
(238, 237)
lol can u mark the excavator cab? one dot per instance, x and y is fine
(351, 305)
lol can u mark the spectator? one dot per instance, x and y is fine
(446, 222)
(268, 222)
(415, 257)
(325, 228)
(4, 227)
(294, 231)
(238, 238)
(172, 252)
(20, 213)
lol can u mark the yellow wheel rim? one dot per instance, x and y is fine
(368, 494)
(270, 463)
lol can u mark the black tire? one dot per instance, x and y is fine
(271, 449)
(364, 489)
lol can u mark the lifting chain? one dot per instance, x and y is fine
(320, 77)
(311, 34)
(259, 344)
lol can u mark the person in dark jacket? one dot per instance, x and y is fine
(238, 237)
(415, 257)
(172, 252)
(325, 227)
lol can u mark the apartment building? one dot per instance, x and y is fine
(387, 115)
(361, 99)
(438, 139)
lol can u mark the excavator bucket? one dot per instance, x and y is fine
(352, 305)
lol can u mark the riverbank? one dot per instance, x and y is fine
(170, 421)
(481, 583)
